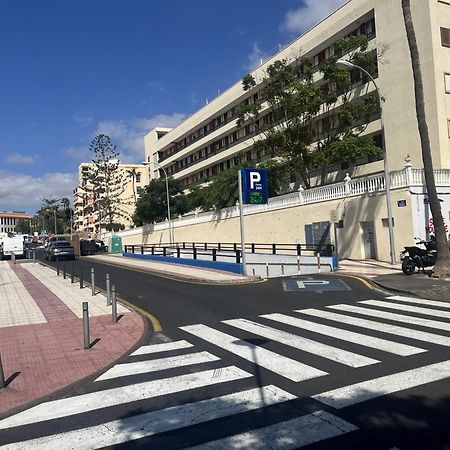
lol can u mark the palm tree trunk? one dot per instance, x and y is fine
(442, 266)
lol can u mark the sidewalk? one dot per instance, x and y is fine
(41, 333)
(393, 279)
(179, 271)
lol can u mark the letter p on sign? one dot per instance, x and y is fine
(255, 177)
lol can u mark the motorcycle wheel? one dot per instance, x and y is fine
(408, 267)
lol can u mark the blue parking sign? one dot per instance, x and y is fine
(254, 186)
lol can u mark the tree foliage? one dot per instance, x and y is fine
(107, 181)
(152, 203)
(313, 124)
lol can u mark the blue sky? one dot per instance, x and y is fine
(71, 69)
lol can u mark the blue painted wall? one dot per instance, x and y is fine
(218, 265)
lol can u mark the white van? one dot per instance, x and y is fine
(11, 244)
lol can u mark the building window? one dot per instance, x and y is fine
(447, 82)
(138, 177)
(445, 37)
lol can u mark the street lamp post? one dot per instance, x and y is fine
(171, 234)
(346, 65)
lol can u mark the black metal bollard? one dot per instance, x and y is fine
(178, 252)
(57, 266)
(253, 247)
(64, 269)
(81, 277)
(72, 280)
(108, 290)
(113, 304)
(92, 281)
(194, 253)
(142, 249)
(214, 254)
(86, 339)
(34, 256)
(274, 249)
(238, 256)
(164, 251)
(2, 376)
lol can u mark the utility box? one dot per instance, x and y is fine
(116, 244)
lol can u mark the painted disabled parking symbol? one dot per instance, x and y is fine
(310, 284)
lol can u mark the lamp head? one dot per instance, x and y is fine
(342, 64)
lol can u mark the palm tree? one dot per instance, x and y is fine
(132, 173)
(442, 266)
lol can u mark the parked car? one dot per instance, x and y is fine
(101, 246)
(59, 250)
(54, 239)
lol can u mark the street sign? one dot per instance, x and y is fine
(254, 186)
(401, 203)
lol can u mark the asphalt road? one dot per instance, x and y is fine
(409, 418)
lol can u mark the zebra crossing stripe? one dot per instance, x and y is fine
(164, 347)
(124, 394)
(286, 367)
(403, 307)
(288, 435)
(393, 316)
(420, 301)
(377, 387)
(378, 326)
(155, 422)
(317, 348)
(350, 336)
(155, 365)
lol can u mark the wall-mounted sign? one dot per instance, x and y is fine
(401, 203)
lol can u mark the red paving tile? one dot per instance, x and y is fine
(50, 356)
(52, 307)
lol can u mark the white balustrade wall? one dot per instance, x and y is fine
(349, 188)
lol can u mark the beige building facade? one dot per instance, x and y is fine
(9, 220)
(87, 205)
(209, 141)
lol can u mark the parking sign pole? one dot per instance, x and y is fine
(241, 220)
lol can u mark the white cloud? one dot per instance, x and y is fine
(18, 158)
(83, 118)
(128, 135)
(24, 192)
(157, 85)
(310, 13)
(254, 58)
(78, 154)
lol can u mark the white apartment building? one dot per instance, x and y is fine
(206, 143)
(8, 220)
(88, 214)
(209, 140)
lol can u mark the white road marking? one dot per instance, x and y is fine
(420, 301)
(377, 387)
(274, 362)
(155, 365)
(393, 316)
(156, 348)
(121, 395)
(379, 326)
(345, 335)
(307, 345)
(403, 307)
(288, 435)
(155, 422)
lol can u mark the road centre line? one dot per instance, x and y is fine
(307, 345)
(393, 316)
(403, 307)
(288, 435)
(345, 335)
(377, 387)
(286, 367)
(164, 420)
(125, 394)
(379, 326)
(155, 365)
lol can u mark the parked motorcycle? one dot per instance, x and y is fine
(421, 258)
